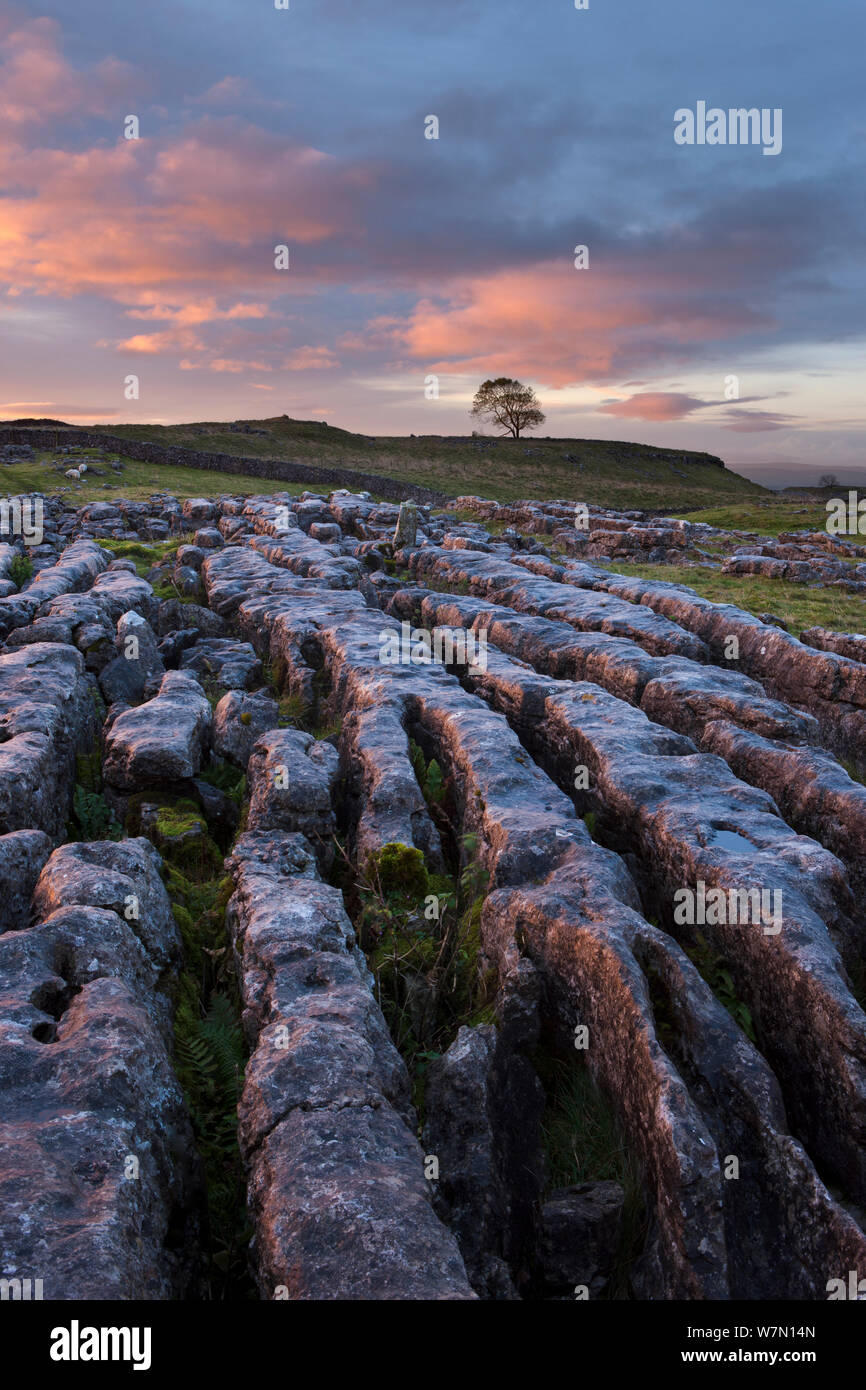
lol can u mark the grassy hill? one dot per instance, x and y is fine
(137, 482)
(608, 472)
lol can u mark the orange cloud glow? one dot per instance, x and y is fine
(562, 326)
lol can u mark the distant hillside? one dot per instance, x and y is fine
(609, 472)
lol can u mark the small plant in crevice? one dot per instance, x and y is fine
(583, 1143)
(211, 1057)
(91, 816)
(295, 710)
(212, 688)
(422, 936)
(209, 1043)
(429, 775)
(292, 711)
(857, 972)
(714, 968)
(180, 832)
(20, 570)
(328, 729)
(664, 1017)
(145, 555)
(227, 778)
(852, 770)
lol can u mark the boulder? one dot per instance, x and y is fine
(580, 1231)
(240, 718)
(22, 855)
(162, 741)
(291, 777)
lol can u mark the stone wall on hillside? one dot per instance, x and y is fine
(284, 470)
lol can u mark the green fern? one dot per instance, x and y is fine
(715, 971)
(475, 878)
(211, 1050)
(429, 775)
(227, 779)
(433, 783)
(92, 818)
(418, 761)
(20, 570)
(223, 1036)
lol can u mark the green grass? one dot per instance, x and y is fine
(209, 1046)
(583, 1143)
(136, 483)
(766, 516)
(714, 968)
(426, 965)
(143, 554)
(611, 472)
(20, 569)
(796, 604)
(581, 1137)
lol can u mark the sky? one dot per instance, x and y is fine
(721, 308)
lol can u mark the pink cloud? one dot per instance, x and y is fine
(224, 364)
(654, 405)
(169, 341)
(757, 421)
(233, 91)
(202, 312)
(561, 326)
(170, 226)
(311, 358)
(179, 229)
(37, 84)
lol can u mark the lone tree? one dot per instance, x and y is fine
(508, 403)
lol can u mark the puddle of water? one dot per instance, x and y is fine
(729, 839)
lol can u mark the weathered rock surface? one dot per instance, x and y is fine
(705, 764)
(232, 665)
(46, 716)
(76, 569)
(123, 876)
(831, 687)
(240, 718)
(138, 665)
(174, 615)
(689, 818)
(484, 1105)
(291, 777)
(580, 1229)
(849, 644)
(22, 854)
(98, 1175)
(509, 584)
(324, 1085)
(524, 825)
(163, 740)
